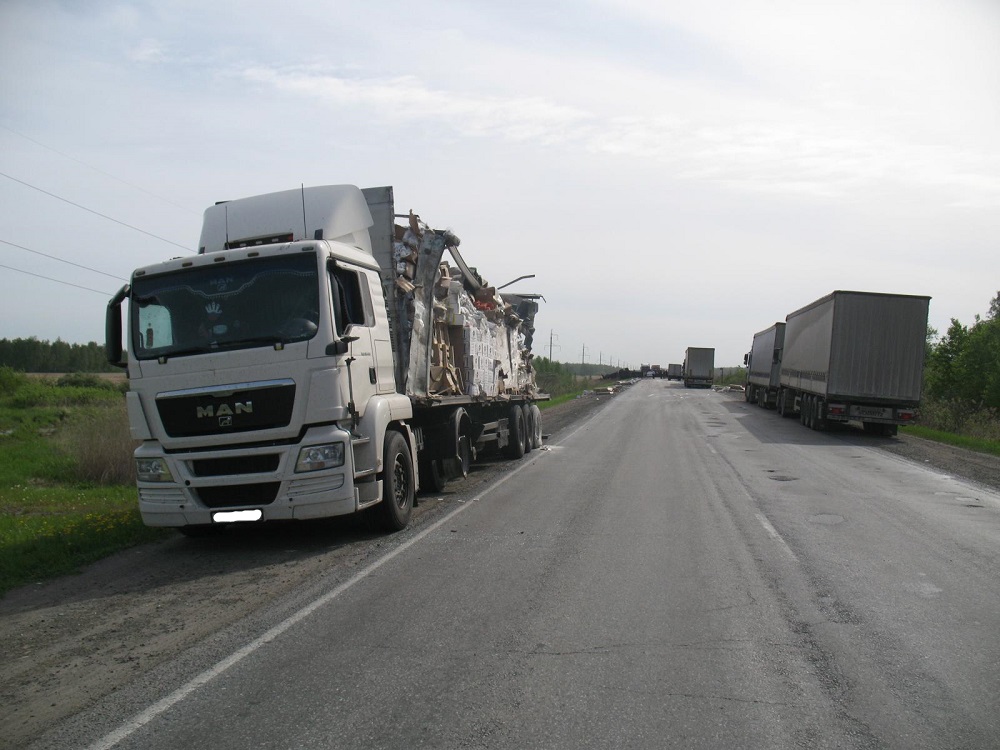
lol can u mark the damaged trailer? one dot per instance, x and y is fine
(316, 359)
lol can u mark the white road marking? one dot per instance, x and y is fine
(143, 718)
(773, 533)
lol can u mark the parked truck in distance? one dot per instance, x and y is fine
(316, 359)
(675, 371)
(855, 356)
(763, 363)
(699, 367)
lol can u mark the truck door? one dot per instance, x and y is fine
(354, 317)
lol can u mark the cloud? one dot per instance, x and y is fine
(148, 51)
(792, 149)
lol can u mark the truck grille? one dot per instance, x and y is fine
(220, 467)
(235, 495)
(245, 408)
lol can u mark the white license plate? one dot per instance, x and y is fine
(872, 412)
(236, 516)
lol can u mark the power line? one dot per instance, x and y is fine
(49, 278)
(62, 260)
(90, 210)
(98, 170)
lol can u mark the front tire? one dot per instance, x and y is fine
(397, 484)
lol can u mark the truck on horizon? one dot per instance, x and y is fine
(855, 356)
(316, 359)
(699, 367)
(675, 371)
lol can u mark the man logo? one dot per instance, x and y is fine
(224, 411)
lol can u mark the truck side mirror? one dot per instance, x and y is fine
(113, 328)
(340, 346)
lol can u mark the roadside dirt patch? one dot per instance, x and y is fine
(981, 468)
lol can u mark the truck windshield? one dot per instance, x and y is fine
(225, 306)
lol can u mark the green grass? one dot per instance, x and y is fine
(51, 531)
(53, 519)
(974, 444)
(562, 398)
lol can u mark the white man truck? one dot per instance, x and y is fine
(699, 367)
(314, 359)
(855, 356)
(763, 363)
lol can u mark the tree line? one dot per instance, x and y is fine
(963, 366)
(32, 355)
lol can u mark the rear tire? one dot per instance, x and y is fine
(431, 476)
(397, 484)
(536, 426)
(529, 427)
(515, 433)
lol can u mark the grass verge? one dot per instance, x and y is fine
(67, 491)
(961, 441)
(51, 531)
(562, 398)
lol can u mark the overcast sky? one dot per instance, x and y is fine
(674, 173)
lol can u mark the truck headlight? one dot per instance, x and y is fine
(153, 470)
(316, 457)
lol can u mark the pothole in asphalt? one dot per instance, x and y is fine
(782, 478)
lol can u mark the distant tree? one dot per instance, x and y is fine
(943, 380)
(964, 365)
(32, 355)
(978, 365)
(994, 313)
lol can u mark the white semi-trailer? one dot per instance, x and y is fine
(855, 356)
(763, 363)
(315, 359)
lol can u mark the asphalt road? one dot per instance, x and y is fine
(683, 570)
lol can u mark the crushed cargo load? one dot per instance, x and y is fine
(477, 341)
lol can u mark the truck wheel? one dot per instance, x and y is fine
(819, 422)
(397, 483)
(431, 476)
(784, 408)
(529, 427)
(515, 425)
(536, 426)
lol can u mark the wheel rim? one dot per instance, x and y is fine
(400, 490)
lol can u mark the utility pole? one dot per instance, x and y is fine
(552, 336)
(583, 354)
